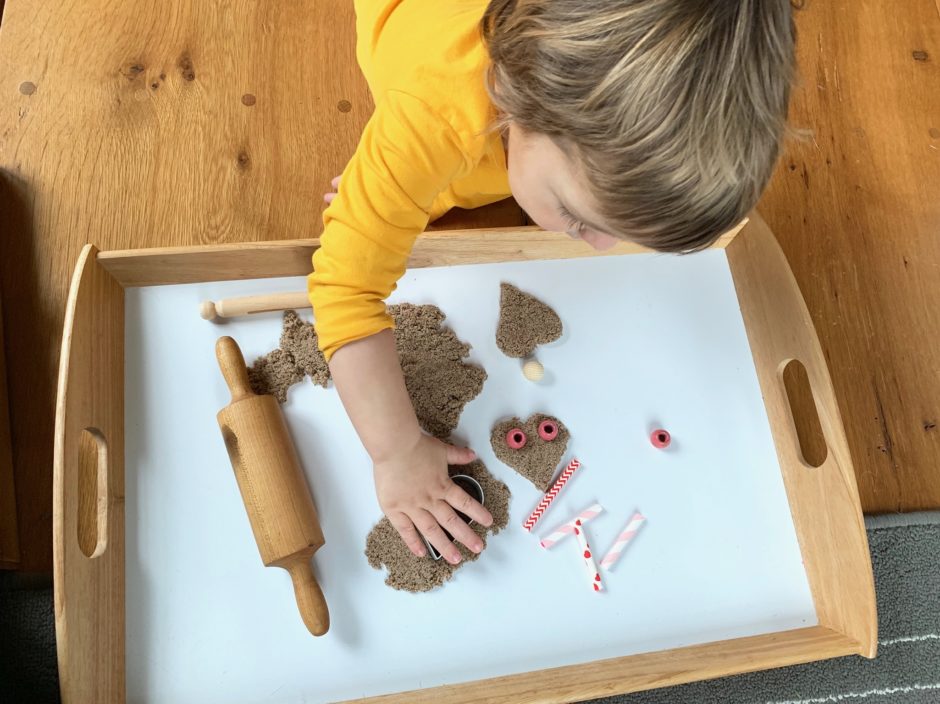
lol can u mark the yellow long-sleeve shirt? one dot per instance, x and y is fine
(425, 150)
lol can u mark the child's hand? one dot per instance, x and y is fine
(416, 493)
(328, 197)
(411, 480)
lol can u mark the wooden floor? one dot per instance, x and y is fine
(129, 125)
(856, 207)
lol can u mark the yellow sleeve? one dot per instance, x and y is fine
(406, 156)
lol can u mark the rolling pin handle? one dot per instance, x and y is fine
(310, 598)
(232, 364)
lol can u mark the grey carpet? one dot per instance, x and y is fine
(28, 670)
(905, 554)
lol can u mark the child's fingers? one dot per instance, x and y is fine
(456, 526)
(432, 530)
(335, 182)
(466, 504)
(328, 197)
(406, 530)
(460, 455)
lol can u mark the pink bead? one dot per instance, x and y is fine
(660, 438)
(548, 430)
(515, 438)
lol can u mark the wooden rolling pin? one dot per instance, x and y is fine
(280, 507)
(250, 305)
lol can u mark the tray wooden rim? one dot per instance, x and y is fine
(179, 265)
(824, 502)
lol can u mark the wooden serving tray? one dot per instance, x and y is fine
(90, 467)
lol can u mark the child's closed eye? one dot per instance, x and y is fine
(574, 226)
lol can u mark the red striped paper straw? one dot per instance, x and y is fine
(550, 495)
(587, 556)
(620, 544)
(568, 527)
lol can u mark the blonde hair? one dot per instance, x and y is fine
(674, 109)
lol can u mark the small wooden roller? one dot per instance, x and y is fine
(280, 507)
(252, 305)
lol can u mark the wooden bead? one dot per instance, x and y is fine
(533, 370)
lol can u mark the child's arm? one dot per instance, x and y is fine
(410, 467)
(406, 156)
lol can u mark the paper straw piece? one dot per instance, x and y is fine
(587, 557)
(567, 528)
(620, 544)
(546, 501)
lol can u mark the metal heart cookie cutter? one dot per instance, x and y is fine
(472, 487)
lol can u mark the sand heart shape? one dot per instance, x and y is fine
(538, 459)
(524, 322)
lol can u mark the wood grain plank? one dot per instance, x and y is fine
(638, 672)
(856, 209)
(137, 133)
(131, 125)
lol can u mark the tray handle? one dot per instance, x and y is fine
(804, 412)
(94, 493)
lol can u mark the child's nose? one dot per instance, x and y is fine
(599, 241)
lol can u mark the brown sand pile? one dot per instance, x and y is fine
(274, 374)
(385, 548)
(300, 340)
(538, 459)
(298, 355)
(438, 379)
(440, 383)
(524, 322)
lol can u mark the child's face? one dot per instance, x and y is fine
(549, 187)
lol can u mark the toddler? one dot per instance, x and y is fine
(655, 121)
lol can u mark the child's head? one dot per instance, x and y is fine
(657, 121)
